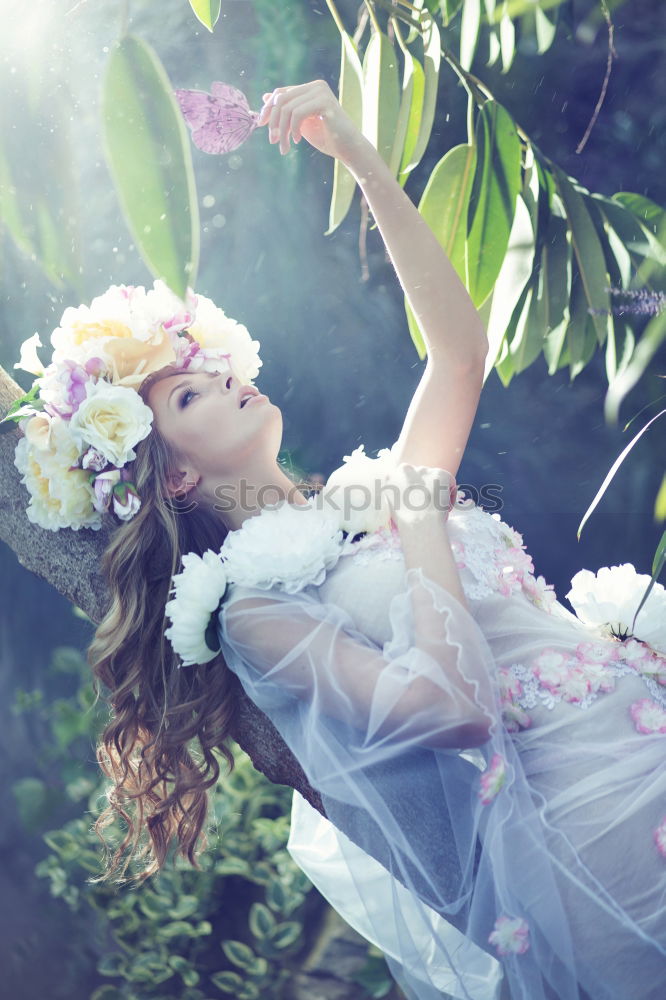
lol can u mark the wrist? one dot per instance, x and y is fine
(360, 157)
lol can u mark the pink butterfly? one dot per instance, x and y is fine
(220, 121)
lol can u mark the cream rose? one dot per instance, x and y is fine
(112, 419)
(60, 497)
(213, 330)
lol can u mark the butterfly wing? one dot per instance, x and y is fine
(222, 121)
(197, 106)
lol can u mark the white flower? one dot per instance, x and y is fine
(609, 601)
(126, 505)
(112, 419)
(355, 491)
(61, 496)
(215, 332)
(199, 589)
(37, 430)
(510, 936)
(289, 546)
(29, 360)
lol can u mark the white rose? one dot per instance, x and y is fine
(355, 491)
(609, 601)
(60, 497)
(212, 329)
(112, 419)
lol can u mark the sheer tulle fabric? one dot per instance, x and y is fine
(539, 840)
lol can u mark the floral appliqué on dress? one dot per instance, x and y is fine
(511, 936)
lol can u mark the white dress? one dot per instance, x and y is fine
(535, 864)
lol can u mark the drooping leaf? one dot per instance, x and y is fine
(148, 151)
(350, 95)
(381, 94)
(493, 199)
(432, 61)
(444, 205)
(414, 77)
(207, 11)
(469, 31)
(589, 257)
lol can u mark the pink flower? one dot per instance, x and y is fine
(510, 936)
(539, 592)
(552, 668)
(575, 686)
(510, 686)
(597, 651)
(492, 779)
(103, 487)
(660, 837)
(515, 718)
(648, 716)
(94, 459)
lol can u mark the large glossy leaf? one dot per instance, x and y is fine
(148, 151)
(556, 256)
(381, 94)
(350, 95)
(651, 215)
(207, 11)
(432, 60)
(514, 275)
(449, 9)
(639, 239)
(505, 365)
(444, 205)
(414, 78)
(493, 198)
(469, 32)
(589, 257)
(581, 334)
(651, 340)
(406, 113)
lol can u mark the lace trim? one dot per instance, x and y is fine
(490, 554)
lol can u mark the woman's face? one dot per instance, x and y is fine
(200, 416)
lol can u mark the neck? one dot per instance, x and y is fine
(248, 496)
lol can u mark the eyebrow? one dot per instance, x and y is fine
(176, 388)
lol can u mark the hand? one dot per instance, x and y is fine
(422, 491)
(313, 111)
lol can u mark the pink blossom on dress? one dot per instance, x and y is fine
(597, 651)
(648, 716)
(575, 686)
(539, 592)
(492, 779)
(515, 718)
(552, 668)
(660, 837)
(510, 936)
(509, 685)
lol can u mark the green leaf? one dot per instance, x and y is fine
(148, 152)
(588, 253)
(492, 202)
(228, 982)
(113, 964)
(611, 473)
(381, 94)
(425, 108)
(284, 935)
(186, 906)
(556, 263)
(261, 920)
(580, 334)
(469, 32)
(444, 205)
(651, 215)
(511, 281)
(207, 11)
(239, 953)
(350, 96)
(176, 928)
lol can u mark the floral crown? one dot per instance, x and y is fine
(83, 415)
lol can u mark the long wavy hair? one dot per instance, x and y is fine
(166, 723)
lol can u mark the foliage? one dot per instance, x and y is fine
(234, 928)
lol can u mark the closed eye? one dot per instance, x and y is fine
(187, 391)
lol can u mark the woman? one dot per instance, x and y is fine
(491, 768)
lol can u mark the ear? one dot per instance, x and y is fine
(180, 483)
